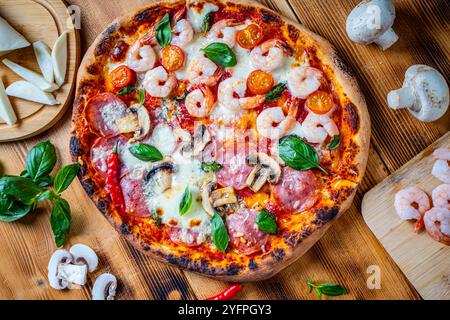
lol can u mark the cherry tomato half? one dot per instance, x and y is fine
(172, 58)
(259, 82)
(121, 77)
(319, 102)
(250, 37)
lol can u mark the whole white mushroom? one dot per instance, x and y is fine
(425, 93)
(371, 22)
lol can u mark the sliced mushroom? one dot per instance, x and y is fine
(129, 123)
(136, 120)
(207, 188)
(222, 197)
(160, 177)
(266, 169)
(59, 257)
(104, 287)
(82, 254)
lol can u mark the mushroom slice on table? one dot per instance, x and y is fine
(82, 254)
(425, 93)
(266, 169)
(371, 22)
(59, 258)
(104, 287)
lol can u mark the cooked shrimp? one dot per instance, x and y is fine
(411, 203)
(302, 81)
(441, 169)
(183, 33)
(318, 127)
(231, 94)
(159, 83)
(200, 102)
(283, 124)
(141, 58)
(268, 56)
(437, 224)
(203, 71)
(441, 196)
(223, 31)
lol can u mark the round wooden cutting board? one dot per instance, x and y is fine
(37, 20)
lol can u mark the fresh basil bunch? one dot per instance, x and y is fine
(19, 195)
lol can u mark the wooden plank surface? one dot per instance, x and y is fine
(424, 261)
(343, 255)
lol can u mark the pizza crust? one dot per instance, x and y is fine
(269, 264)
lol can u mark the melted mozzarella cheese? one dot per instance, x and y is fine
(163, 139)
(196, 16)
(192, 51)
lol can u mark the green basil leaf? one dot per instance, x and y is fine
(275, 93)
(141, 96)
(44, 181)
(41, 160)
(21, 188)
(186, 201)
(331, 289)
(220, 54)
(334, 143)
(211, 166)
(146, 152)
(24, 174)
(46, 195)
(17, 211)
(154, 215)
(164, 31)
(319, 293)
(298, 154)
(65, 176)
(219, 233)
(126, 90)
(267, 222)
(207, 22)
(6, 202)
(60, 220)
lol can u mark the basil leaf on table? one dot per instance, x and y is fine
(275, 93)
(220, 54)
(267, 222)
(328, 289)
(126, 90)
(219, 233)
(65, 176)
(41, 160)
(46, 195)
(146, 152)
(211, 166)
(298, 154)
(17, 211)
(334, 143)
(186, 201)
(44, 181)
(207, 22)
(164, 31)
(21, 188)
(60, 220)
(6, 202)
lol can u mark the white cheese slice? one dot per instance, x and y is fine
(59, 58)
(28, 91)
(44, 58)
(6, 110)
(196, 16)
(10, 39)
(31, 76)
(163, 139)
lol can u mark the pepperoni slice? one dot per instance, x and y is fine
(234, 170)
(245, 236)
(102, 112)
(186, 237)
(133, 194)
(297, 191)
(102, 149)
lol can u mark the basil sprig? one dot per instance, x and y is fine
(267, 222)
(220, 54)
(275, 93)
(211, 166)
(146, 152)
(142, 97)
(164, 31)
(219, 233)
(207, 22)
(298, 154)
(19, 195)
(186, 201)
(126, 90)
(328, 289)
(334, 143)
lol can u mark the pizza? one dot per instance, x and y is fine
(218, 136)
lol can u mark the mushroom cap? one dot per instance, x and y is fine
(430, 90)
(104, 287)
(82, 254)
(60, 256)
(362, 26)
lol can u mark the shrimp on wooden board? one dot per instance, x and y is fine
(141, 58)
(437, 224)
(231, 93)
(158, 83)
(200, 102)
(273, 124)
(223, 31)
(411, 203)
(441, 196)
(302, 81)
(203, 71)
(441, 169)
(317, 128)
(268, 56)
(183, 33)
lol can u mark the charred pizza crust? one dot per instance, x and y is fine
(292, 242)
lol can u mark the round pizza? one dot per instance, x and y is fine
(218, 136)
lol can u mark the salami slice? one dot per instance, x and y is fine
(234, 170)
(297, 191)
(133, 194)
(102, 112)
(245, 236)
(102, 149)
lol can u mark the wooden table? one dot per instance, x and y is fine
(342, 255)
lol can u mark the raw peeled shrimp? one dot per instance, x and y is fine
(406, 199)
(441, 196)
(437, 224)
(441, 169)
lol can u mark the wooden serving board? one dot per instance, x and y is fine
(38, 20)
(425, 262)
